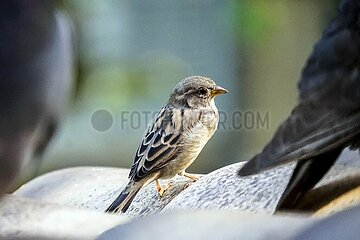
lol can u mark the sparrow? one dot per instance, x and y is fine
(174, 139)
(327, 116)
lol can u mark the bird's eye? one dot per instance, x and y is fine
(202, 91)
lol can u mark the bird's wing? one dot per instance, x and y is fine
(160, 144)
(328, 114)
(305, 134)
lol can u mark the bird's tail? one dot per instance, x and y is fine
(123, 201)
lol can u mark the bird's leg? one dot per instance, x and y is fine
(162, 189)
(192, 177)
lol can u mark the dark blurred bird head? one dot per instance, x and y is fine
(36, 58)
(195, 92)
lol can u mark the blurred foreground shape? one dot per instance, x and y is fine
(36, 61)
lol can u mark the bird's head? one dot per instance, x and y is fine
(195, 92)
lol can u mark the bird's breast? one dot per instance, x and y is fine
(198, 127)
(199, 133)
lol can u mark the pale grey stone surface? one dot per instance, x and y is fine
(349, 157)
(95, 188)
(223, 189)
(81, 187)
(148, 201)
(210, 225)
(22, 218)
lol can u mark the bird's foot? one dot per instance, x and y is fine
(188, 175)
(161, 189)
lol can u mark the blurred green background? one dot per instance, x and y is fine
(131, 54)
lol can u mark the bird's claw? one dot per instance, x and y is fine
(192, 177)
(161, 189)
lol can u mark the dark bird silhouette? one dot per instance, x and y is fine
(35, 80)
(327, 117)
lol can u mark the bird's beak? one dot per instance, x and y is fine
(218, 91)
